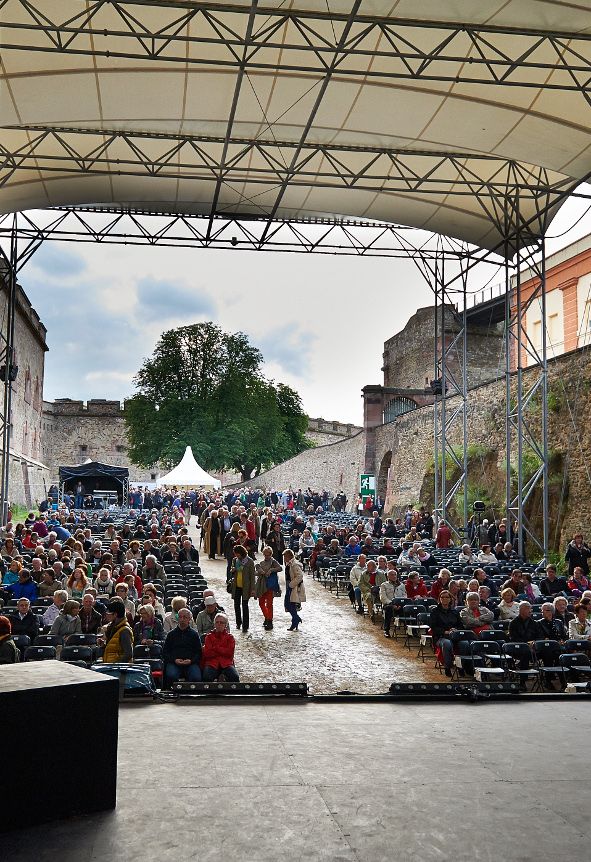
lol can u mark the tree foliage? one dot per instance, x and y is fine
(204, 388)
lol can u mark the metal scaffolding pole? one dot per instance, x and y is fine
(8, 370)
(527, 399)
(450, 403)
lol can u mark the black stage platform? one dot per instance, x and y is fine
(58, 731)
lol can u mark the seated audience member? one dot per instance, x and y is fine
(515, 582)
(334, 549)
(127, 571)
(68, 621)
(148, 630)
(206, 617)
(484, 581)
(444, 621)
(104, 584)
(150, 595)
(218, 652)
(426, 559)
(466, 557)
(561, 611)
(529, 591)
(415, 586)
(24, 588)
(509, 552)
(48, 585)
(474, 615)
(60, 597)
(307, 541)
(440, 583)
(172, 617)
(182, 650)
(366, 582)
(486, 556)
(579, 628)
(508, 607)
(352, 548)
(76, 584)
(24, 622)
(133, 551)
(90, 619)
(201, 606)
(10, 576)
(550, 627)
(118, 636)
(552, 585)
(122, 593)
(578, 583)
(188, 553)
(355, 579)
(391, 590)
(9, 652)
(152, 569)
(523, 628)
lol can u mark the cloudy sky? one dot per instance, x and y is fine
(319, 321)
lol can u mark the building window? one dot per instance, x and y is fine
(585, 337)
(153, 477)
(120, 448)
(553, 336)
(83, 448)
(397, 406)
(537, 334)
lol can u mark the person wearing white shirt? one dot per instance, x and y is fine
(355, 578)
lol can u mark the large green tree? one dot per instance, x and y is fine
(204, 387)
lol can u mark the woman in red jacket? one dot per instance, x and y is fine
(218, 652)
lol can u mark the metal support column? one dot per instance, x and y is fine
(8, 370)
(527, 400)
(451, 404)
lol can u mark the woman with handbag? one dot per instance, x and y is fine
(295, 593)
(267, 585)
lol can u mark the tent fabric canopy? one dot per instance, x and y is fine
(188, 474)
(423, 114)
(92, 469)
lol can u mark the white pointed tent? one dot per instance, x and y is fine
(188, 474)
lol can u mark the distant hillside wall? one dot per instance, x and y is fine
(404, 447)
(335, 467)
(74, 431)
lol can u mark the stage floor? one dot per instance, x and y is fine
(312, 781)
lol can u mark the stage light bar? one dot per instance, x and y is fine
(471, 691)
(266, 689)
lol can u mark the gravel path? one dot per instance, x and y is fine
(334, 649)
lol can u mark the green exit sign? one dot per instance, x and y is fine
(367, 485)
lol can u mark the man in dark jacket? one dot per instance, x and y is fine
(188, 554)
(24, 622)
(444, 620)
(552, 585)
(523, 628)
(182, 650)
(24, 588)
(577, 554)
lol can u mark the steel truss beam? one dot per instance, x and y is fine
(312, 236)
(527, 401)
(98, 152)
(371, 46)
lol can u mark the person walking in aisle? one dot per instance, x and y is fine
(295, 593)
(243, 583)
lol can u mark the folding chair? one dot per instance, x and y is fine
(547, 655)
(487, 660)
(576, 665)
(40, 653)
(80, 655)
(520, 664)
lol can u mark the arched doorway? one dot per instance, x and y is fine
(383, 475)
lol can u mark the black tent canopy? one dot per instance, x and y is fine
(95, 477)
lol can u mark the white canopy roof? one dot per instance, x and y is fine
(429, 114)
(188, 474)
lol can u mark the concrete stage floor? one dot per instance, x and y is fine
(262, 781)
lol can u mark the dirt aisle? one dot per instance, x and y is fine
(334, 649)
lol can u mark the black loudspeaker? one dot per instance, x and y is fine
(51, 713)
(479, 506)
(266, 689)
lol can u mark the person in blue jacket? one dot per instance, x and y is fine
(24, 588)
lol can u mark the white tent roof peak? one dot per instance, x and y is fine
(188, 473)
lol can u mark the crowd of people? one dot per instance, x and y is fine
(104, 574)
